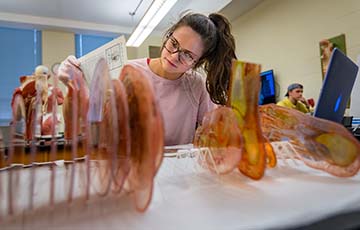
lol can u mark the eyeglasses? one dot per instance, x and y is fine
(184, 56)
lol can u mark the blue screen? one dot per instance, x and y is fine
(267, 90)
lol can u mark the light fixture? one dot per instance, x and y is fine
(152, 17)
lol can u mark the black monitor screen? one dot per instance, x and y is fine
(267, 90)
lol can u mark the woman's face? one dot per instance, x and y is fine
(182, 49)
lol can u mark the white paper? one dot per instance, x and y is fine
(114, 52)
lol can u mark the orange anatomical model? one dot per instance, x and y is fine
(147, 135)
(321, 144)
(243, 99)
(112, 144)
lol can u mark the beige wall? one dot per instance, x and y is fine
(143, 50)
(131, 52)
(56, 46)
(284, 35)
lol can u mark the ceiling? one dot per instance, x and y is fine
(105, 17)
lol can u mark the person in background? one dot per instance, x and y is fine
(294, 98)
(195, 42)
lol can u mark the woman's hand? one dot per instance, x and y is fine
(69, 68)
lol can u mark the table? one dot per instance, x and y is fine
(189, 197)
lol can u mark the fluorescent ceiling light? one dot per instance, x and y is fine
(152, 17)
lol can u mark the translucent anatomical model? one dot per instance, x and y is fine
(320, 143)
(147, 135)
(221, 134)
(243, 99)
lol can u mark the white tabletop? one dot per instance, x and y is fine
(188, 197)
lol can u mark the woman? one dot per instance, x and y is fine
(194, 41)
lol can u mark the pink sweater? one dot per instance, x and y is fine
(183, 102)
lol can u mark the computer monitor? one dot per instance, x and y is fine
(337, 87)
(267, 89)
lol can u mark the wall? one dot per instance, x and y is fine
(56, 46)
(143, 50)
(284, 35)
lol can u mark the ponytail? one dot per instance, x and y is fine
(218, 62)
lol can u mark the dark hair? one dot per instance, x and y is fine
(219, 50)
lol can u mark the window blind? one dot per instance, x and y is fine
(86, 43)
(20, 54)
